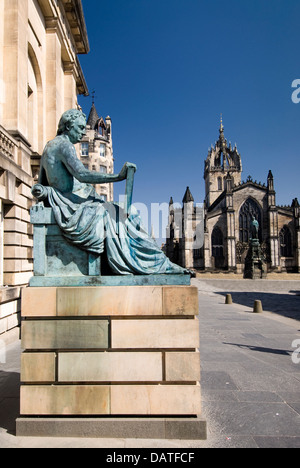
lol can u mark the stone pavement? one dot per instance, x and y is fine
(251, 388)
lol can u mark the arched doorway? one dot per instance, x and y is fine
(217, 243)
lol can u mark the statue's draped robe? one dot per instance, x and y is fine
(97, 227)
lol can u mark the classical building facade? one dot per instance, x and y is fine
(96, 150)
(229, 208)
(40, 78)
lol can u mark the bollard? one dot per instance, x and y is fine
(257, 307)
(228, 299)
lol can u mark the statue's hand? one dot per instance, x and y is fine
(123, 173)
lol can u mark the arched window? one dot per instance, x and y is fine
(285, 237)
(217, 243)
(249, 209)
(32, 107)
(35, 128)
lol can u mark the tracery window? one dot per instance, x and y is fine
(286, 247)
(249, 210)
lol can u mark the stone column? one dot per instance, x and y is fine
(273, 223)
(273, 237)
(54, 80)
(188, 234)
(207, 251)
(231, 240)
(298, 251)
(15, 63)
(70, 94)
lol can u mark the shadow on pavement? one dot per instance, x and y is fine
(286, 305)
(261, 349)
(9, 400)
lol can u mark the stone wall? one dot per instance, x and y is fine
(40, 78)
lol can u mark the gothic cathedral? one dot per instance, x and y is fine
(225, 220)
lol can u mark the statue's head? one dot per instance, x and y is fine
(72, 124)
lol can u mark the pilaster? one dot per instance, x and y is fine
(15, 62)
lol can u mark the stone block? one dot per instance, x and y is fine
(18, 252)
(13, 321)
(182, 367)
(177, 333)
(48, 400)
(109, 301)
(64, 334)
(186, 429)
(39, 302)
(17, 279)
(26, 241)
(109, 367)
(11, 266)
(155, 400)
(113, 428)
(38, 367)
(10, 308)
(12, 238)
(3, 325)
(180, 300)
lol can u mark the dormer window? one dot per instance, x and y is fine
(101, 127)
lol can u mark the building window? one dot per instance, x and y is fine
(101, 128)
(84, 149)
(220, 185)
(102, 150)
(217, 243)
(286, 248)
(103, 169)
(249, 210)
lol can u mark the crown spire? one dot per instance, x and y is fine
(221, 125)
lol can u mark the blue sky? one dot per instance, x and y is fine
(164, 70)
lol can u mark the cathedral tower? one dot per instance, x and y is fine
(221, 161)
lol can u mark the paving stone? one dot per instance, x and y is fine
(259, 407)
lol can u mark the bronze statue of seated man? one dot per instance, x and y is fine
(85, 220)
